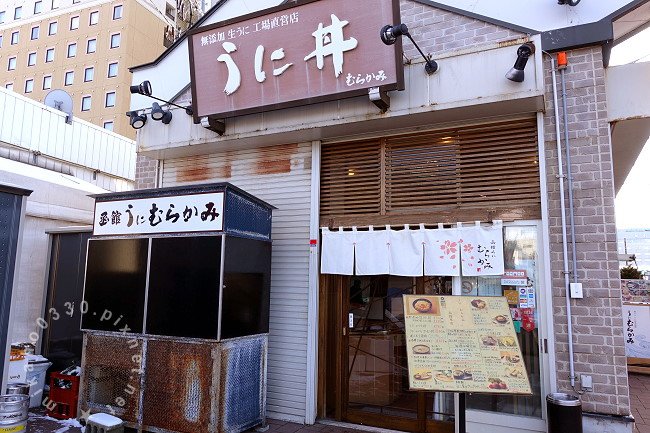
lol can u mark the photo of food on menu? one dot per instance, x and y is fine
(463, 344)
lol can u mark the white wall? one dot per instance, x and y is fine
(56, 201)
(80, 142)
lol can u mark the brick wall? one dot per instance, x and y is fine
(146, 172)
(437, 31)
(598, 325)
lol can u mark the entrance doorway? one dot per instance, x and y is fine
(366, 361)
(363, 358)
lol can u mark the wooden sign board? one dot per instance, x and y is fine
(463, 344)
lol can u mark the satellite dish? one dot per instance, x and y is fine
(60, 100)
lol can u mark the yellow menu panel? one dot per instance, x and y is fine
(463, 344)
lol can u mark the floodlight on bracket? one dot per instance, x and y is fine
(389, 35)
(145, 89)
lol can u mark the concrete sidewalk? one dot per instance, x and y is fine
(640, 401)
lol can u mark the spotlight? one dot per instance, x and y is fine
(143, 88)
(137, 120)
(389, 35)
(157, 113)
(516, 74)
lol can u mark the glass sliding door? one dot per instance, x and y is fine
(376, 377)
(521, 253)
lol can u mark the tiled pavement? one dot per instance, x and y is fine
(640, 400)
(639, 396)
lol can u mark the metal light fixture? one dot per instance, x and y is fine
(389, 35)
(568, 2)
(137, 121)
(145, 89)
(516, 74)
(157, 113)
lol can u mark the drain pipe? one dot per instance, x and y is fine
(565, 252)
(562, 65)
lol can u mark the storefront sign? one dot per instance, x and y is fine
(171, 214)
(635, 290)
(463, 344)
(636, 328)
(513, 277)
(307, 52)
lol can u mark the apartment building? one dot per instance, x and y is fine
(84, 47)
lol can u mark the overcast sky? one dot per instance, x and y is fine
(633, 199)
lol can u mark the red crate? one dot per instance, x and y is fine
(63, 400)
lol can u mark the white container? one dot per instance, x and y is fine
(38, 366)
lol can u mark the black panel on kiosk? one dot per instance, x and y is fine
(247, 286)
(116, 276)
(184, 286)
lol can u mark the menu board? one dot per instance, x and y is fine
(463, 344)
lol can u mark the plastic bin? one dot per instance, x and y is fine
(64, 395)
(564, 413)
(36, 372)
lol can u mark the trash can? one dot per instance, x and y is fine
(38, 366)
(564, 413)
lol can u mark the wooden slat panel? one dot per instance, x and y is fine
(490, 168)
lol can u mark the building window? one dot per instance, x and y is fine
(74, 23)
(36, 32)
(72, 50)
(11, 65)
(115, 40)
(9, 86)
(89, 74)
(94, 18)
(31, 59)
(85, 103)
(170, 11)
(69, 78)
(14, 37)
(2, 17)
(91, 46)
(49, 55)
(47, 82)
(55, 4)
(112, 70)
(38, 7)
(117, 12)
(108, 125)
(110, 99)
(52, 28)
(29, 86)
(18, 13)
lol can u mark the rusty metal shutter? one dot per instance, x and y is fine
(479, 172)
(281, 176)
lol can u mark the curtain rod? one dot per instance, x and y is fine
(412, 226)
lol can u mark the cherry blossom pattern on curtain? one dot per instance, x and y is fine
(442, 252)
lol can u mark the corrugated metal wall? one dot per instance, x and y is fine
(42, 130)
(280, 175)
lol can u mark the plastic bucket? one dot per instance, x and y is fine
(13, 413)
(18, 388)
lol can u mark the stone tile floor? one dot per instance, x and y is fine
(640, 401)
(639, 397)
